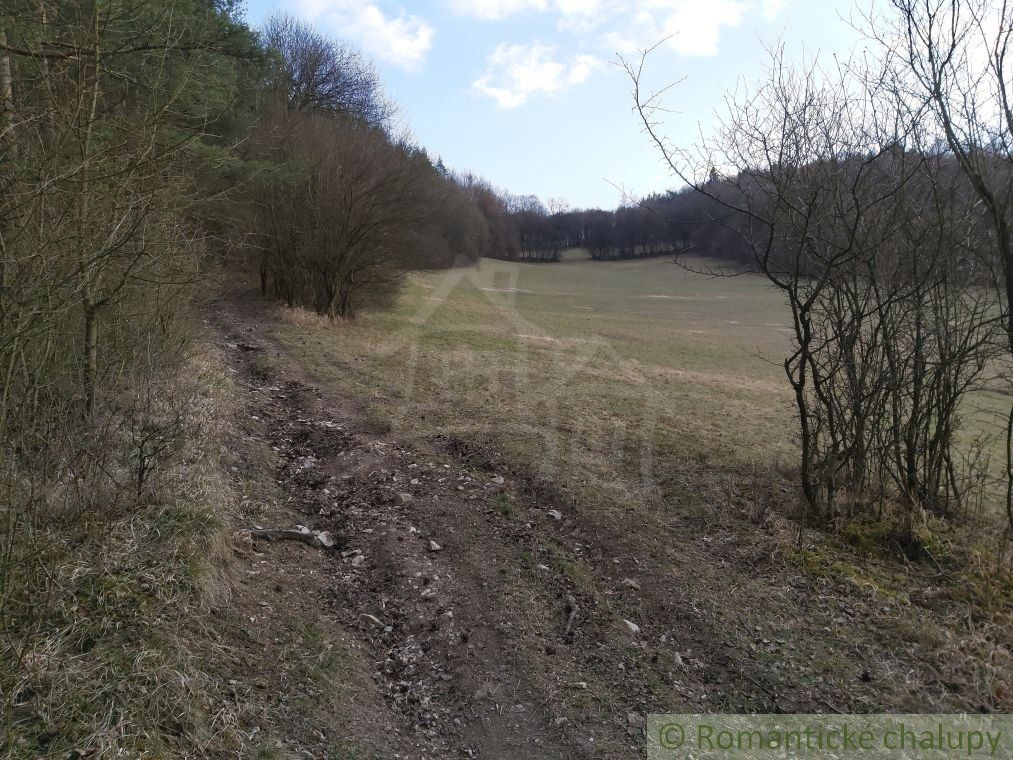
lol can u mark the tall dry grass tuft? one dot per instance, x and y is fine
(299, 317)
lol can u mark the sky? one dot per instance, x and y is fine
(527, 93)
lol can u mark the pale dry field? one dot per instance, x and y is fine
(604, 367)
(604, 376)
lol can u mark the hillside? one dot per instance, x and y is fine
(556, 612)
(312, 446)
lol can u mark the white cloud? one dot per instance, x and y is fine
(494, 10)
(582, 16)
(517, 72)
(772, 8)
(690, 27)
(694, 26)
(400, 38)
(580, 7)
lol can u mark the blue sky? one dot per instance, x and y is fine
(526, 93)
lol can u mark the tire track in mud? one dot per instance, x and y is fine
(418, 571)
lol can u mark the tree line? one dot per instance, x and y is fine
(339, 204)
(119, 120)
(145, 146)
(523, 228)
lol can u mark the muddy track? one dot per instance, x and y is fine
(447, 649)
(498, 620)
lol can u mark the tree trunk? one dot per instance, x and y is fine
(6, 90)
(1009, 473)
(90, 359)
(88, 286)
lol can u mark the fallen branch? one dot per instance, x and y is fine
(571, 605)
(316, 539)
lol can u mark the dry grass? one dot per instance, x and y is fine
(587, 373)
(122, 659)
(571, 370)
(299, 317)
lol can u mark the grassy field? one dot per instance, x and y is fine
(588, 373)
(648, 404)
(581, 370)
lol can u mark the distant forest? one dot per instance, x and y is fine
(522, 228)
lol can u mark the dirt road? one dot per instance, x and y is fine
(468, 610)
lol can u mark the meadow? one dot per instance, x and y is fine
(586, 372)
(639, 417)
(606, 376)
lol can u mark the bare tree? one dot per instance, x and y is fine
(345, 212)
(309, 71)
(956, 57)
(104, 107)
(866, 232)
